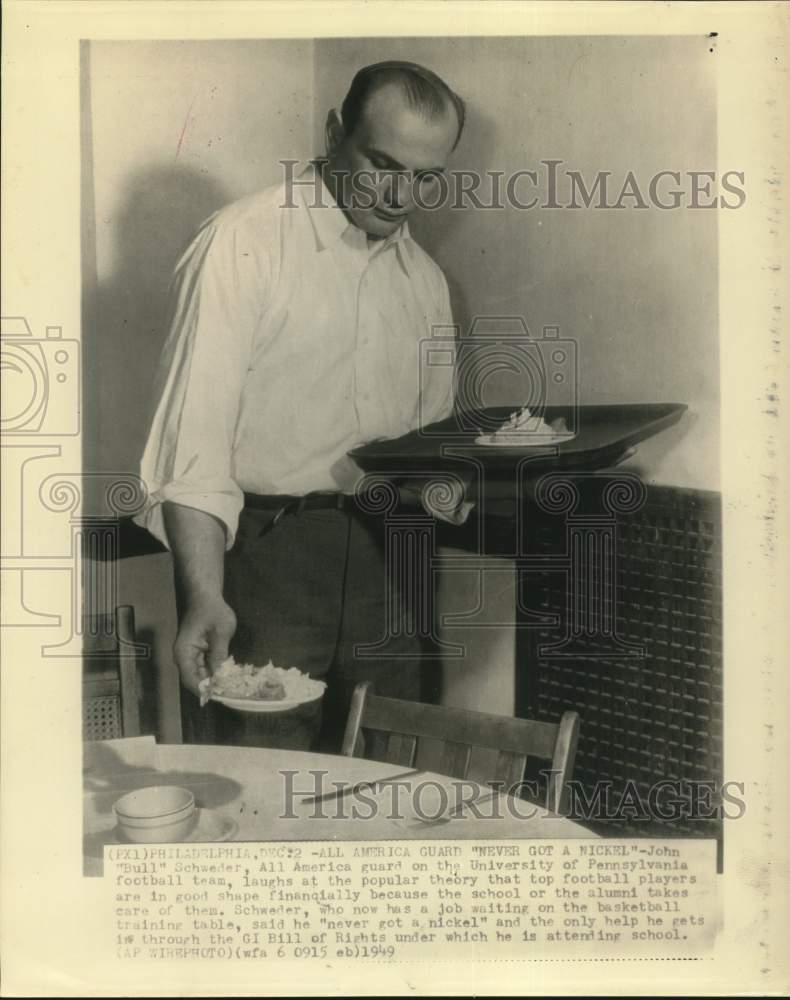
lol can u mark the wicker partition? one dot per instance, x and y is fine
(648, 716)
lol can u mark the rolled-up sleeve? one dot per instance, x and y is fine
(216, 299)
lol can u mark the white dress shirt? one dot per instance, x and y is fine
(292, 339)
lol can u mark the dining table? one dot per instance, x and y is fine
(263, 794)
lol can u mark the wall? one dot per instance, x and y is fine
(179, 129)
(171, 132)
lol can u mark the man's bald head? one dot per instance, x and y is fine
(423, 91)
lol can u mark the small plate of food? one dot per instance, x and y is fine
(524, 429)
(248, 688)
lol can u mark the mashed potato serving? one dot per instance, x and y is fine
(267, 683)
(524, 427)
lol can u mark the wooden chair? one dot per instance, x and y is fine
(110, 698)
(460, 743)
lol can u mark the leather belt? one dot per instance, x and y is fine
(311, 501)
(285, 504)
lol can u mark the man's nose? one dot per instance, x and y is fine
(398, 189)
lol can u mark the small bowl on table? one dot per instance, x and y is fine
(156, 815)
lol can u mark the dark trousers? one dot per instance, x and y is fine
(307, 593)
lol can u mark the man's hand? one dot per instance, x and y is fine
(445, 498)
(202, 641)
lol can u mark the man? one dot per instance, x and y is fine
(296, 318)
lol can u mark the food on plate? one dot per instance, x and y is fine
(522, 427)
(267, 683)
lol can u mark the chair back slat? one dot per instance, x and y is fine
(473, 728)
(455, 759)
(562, 761)
(510, 768)
(430, 754)
(482, 764)
(401, 748)
(462, 744)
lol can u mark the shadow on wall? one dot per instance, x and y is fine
(124, 330)
(162, 209)
(440, 230)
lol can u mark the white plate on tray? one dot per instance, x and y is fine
(524, 440)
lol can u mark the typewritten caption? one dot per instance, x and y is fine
(403, 900)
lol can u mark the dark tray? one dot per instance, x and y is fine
(603, 434)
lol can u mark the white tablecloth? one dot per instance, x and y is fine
(265, 793)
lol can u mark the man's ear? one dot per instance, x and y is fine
(335, 133)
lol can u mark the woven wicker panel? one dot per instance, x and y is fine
(101, 718)
(655, 717)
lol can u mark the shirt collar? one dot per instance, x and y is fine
(328, 221)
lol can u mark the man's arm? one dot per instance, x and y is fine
(194, 499)
(206, 623)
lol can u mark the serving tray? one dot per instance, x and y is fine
(602, 434)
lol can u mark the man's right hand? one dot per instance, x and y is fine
(202, 642)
